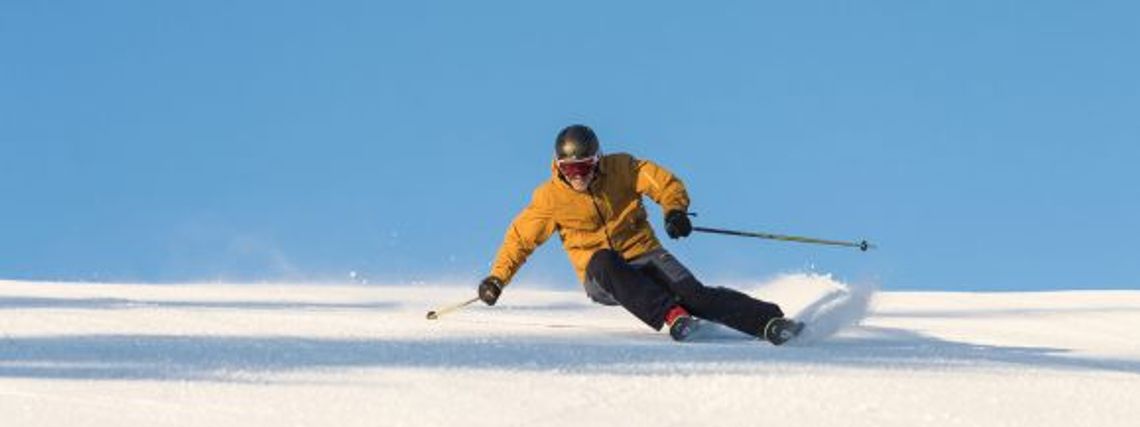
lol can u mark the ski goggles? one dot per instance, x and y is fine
(577, 168)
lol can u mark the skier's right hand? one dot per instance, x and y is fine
(490, 289)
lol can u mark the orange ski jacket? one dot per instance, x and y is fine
(610, 215)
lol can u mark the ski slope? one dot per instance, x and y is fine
(275, 355)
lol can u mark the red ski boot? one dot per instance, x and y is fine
(681, 323)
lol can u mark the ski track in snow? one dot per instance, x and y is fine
(270, 355)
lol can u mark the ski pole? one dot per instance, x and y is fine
(862, 245)
(434, 314)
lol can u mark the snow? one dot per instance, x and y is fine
(319, 355)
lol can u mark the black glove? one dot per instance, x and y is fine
(677, 224)
(489, 289)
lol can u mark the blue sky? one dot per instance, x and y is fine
(985, 145)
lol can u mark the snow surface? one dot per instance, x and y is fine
(275, 355)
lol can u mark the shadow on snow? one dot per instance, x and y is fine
(224, 358)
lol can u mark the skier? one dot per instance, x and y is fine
(594, 203)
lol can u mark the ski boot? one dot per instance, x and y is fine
(681, 323)
(779, 330)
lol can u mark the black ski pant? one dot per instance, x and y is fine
(649, 285)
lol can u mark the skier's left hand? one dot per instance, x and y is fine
(677, 224)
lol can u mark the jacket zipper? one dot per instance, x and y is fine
(602, 218)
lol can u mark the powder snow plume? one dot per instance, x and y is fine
(826, 305)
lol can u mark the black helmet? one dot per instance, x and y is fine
(575, 142)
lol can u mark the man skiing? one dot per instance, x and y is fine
(594, 203)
